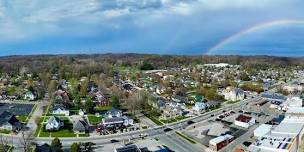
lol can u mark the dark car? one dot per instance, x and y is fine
(241, 111)
(221, 116)
(224, 110)
(114, 141)
(167, 129)
(190, 122)
(212, 115)
(248, 113)
(246, 143)
(232, 112)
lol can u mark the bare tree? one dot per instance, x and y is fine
(26, 140)
(4, 144)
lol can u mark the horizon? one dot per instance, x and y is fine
(144, 54)
(149, 27)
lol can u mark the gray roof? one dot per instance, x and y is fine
(113, 111)
(274, 96)
(58, 106)
(80, 125)
(54, 118)
(113, 120)
(129, 148)
(7, 117)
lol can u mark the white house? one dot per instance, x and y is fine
(233, 94)
(244, 121)
(58, 109)
(199, 106)
(29, 96)
(54, 123)
(113, 113)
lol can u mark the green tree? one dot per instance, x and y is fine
(115, 101)
(146, 66)
(57, 145)
(84, 88)
(89, 106)
(75, 147)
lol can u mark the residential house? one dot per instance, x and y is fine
(80, 126)
(244, 121)
(178, 98)
(113, 113)
(54, 124)
(160, 104)
(58, 109)
(102, 100)
(199, 106)
(114, 118)
(172, 110)
(233, 94)
(117, 122)
(29, 96)
(63, 84)
(9, 121)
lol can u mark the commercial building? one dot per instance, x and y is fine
(244, 121)
(220, 142)
(285, 137)
(262, 130)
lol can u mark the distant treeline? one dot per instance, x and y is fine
(83, 64)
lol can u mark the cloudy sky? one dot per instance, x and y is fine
(189, 27)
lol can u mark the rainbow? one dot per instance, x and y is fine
(251, 29)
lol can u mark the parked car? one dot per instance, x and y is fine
(114, 141)
(167, 129)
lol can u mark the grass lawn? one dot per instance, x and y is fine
(94, 119)
(65, 131)
(185, 137)
(83, 135)
(4, 131)
(155, 120)
(173, 119)
(102, 108)
(23, 119)
(40, 120)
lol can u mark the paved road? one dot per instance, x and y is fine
(151, 132)
(175, 143)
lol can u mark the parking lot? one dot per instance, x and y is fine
(16, 108)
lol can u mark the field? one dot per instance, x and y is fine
(93, 120)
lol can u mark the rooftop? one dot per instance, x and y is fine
(221, 138)
(129, 148)
(243, 118)
(295, 110)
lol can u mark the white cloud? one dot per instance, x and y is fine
(37, 18)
